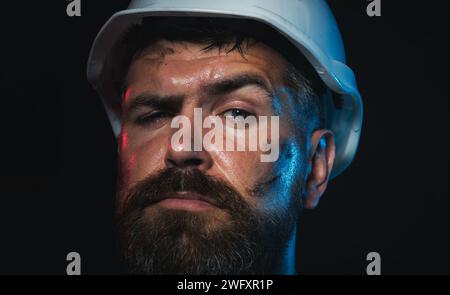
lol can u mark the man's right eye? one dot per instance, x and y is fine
(152, 118)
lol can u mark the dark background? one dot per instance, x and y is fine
(58, 153)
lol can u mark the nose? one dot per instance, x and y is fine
(185, 159)
(191, 155)
(188, 156)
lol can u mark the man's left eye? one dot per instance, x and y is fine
(236, 113)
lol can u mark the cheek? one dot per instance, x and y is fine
(289, 168)
(140, 155)
(243, 170)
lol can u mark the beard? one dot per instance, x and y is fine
(234, 238)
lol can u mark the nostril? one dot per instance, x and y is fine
(188, 159)
(193, 162)
(171, 163)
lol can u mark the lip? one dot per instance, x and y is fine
(188, 201)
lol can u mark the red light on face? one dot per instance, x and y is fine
(126, 95)
(123, 140)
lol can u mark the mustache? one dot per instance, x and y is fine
(155, 188)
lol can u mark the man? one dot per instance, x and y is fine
(190, 208)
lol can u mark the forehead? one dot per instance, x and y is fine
(165, 62)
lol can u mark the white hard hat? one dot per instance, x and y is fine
(308, 24)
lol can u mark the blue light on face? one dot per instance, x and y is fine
(289, 165)
(288, 169)
(292, 104)
(276, 105)
(285, 193)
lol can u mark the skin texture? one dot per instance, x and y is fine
(184, 71)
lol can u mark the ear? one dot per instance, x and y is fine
(321, 160)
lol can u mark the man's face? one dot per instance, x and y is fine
(192, 201)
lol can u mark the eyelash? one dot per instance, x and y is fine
(246, 113)
(151, 118)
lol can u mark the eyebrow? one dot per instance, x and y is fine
(221, 87)
(170, 102)
(234, 83)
